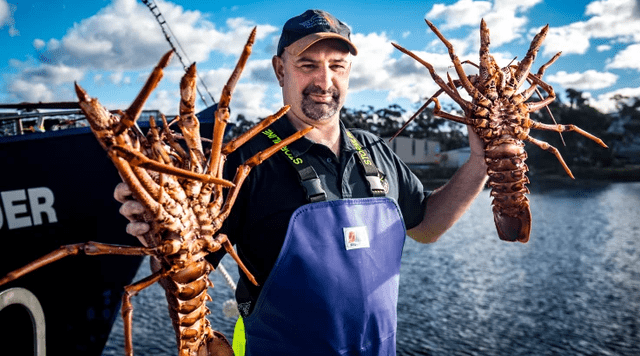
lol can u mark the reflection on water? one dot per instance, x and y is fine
(574, 289)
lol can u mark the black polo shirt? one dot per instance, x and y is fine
(272, 192)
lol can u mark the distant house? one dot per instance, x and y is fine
(415, 150)
(626, 143)
(454, 158)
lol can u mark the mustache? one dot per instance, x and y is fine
(314, 89)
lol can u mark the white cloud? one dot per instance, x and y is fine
(370, 67)
(30, 92)
(118, 78)
(603, 48)
(375, 68)
(251, 101)
(567, 39)
(124, 36)
(38, 43)
(627, 58)
(6, 18)
(4, 12)
(588, 80)
(610, 19)
(166, 101)
(461, 13)
(605, 102)
(504, 17)
(52, 74)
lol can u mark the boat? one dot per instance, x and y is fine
(56, 188)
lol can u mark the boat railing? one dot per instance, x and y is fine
(21, 122)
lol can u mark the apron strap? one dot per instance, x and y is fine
(311, 182)
(370, 170)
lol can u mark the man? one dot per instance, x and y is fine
(322, 225)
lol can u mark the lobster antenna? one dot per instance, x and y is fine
(422, 108)
(550, 114)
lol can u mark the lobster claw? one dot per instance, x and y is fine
(513, 228)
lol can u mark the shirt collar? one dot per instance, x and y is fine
(284, 129)
(347, 146)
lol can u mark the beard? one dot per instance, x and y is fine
(320, 111)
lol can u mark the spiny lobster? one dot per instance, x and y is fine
(499, 114)
(182, 191)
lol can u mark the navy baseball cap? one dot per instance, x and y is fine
(300, 32)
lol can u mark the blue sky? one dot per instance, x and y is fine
(110, 46)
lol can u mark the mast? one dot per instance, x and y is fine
(171, 38)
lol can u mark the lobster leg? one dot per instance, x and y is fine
(222, 114)
(437, 110)
(547, 147)
(240, 140)
(422, 108)
(223, 241)
(527, 93)
(243, 171)
(564, 128)
(463, 103)
(466, 84)
(127, 308)
(134, 110)
(89, 248)
(524, 66)
(138, 159)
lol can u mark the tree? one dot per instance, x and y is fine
(575, 98)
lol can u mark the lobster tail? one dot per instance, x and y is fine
(513, 227)
(507, 179)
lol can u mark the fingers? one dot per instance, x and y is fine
(122, 193)
(137, 228)
(132, 210)
(475, 142)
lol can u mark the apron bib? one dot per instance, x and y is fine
(334, 287)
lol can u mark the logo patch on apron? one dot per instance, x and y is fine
(355, 237)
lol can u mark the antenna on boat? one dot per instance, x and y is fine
(168, 34)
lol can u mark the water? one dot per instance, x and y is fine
(574, 289)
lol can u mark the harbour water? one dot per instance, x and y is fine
(573, 289)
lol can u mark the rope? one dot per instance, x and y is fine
(230, 307)
(226, 276)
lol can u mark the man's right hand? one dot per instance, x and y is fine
(132, 210)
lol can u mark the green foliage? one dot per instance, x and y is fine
(579, 151)
(386, 122)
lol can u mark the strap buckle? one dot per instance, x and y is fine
(314, 190)
(375, 184)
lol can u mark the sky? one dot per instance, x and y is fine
(109, 47)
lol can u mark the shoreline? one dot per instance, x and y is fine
(433, 178)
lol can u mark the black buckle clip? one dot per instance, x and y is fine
(314, 190)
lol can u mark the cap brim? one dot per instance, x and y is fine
(305, 42)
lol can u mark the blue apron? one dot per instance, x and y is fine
(334, 287)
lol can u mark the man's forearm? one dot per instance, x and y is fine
(448, 203)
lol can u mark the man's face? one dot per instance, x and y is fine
(315, 83)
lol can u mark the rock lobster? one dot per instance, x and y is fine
(499, 114)
(182, 191)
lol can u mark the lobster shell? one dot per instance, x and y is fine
(499, 114)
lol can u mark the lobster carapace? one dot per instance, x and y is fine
(499, 113)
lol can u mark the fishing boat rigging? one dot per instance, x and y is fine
(173, 41)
